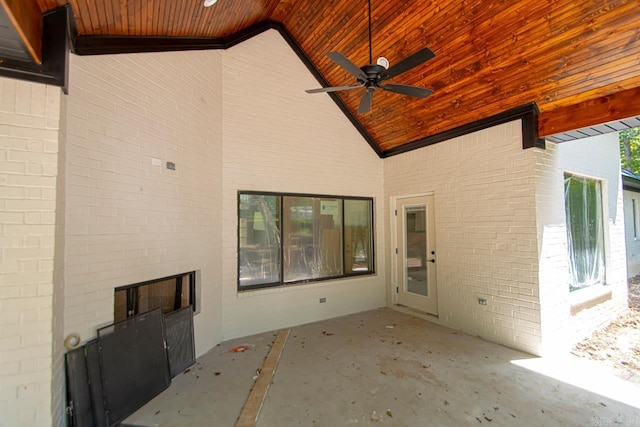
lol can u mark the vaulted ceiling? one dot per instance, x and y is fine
(578, 61)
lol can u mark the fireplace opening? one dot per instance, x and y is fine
(168, 294)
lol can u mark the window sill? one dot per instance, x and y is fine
(329, 281)
(589, 297)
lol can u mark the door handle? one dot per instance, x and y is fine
(432, 260)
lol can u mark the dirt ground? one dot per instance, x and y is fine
(618, 345)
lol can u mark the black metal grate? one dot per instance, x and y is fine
(134, 364)
(180, 342)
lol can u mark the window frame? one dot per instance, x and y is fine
(191, 275)
(634, 213)
(281, 282)
(601, 184)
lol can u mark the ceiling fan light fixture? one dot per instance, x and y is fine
(209, 3)
(373, 76)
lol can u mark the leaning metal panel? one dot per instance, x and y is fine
(78, 394)
(134, 364)
(180, 343)
(94, 372)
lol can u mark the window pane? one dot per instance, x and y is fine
(259, 239)
(585, 231)
(120, 308)
(357, 236)
(312, 230)
(635, 218)
(157, 295)
(168, 294)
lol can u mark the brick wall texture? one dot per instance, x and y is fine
(279, 138)
(483, 187)
(29, 119)
(597, 158)
(128, 221)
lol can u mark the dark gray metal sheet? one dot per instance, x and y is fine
(134, 364)
(95, 383)
(78, 393)
(180, 343)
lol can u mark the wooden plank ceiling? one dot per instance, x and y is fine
(567, 56)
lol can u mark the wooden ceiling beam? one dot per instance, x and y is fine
(617, 106)
(26, 18)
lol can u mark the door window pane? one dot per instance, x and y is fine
(416, 250)
(259, 239)
(585, 231)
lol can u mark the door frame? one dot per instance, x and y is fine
(393, 223)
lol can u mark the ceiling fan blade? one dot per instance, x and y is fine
(346, 63)
(333, 89)
(408, 63)
(420, 92)
(365, 102)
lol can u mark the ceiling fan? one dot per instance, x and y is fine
(372, 76)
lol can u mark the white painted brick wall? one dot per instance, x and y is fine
(632, 242)
(596, 157)
(279, 138)
(128, 221)
(485, 231)
(29, 117)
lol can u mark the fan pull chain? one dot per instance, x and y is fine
(370, 49)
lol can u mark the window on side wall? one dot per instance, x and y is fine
(294, 238)
(585, 231)
(634, 213)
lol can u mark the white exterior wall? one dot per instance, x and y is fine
(483, 188)
(632, 242)
(128, 221)
(279, 138)
(29, 120)
(595, 157)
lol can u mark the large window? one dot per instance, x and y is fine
(292, 238)
(585, 231)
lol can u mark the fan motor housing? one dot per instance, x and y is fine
(373, 72)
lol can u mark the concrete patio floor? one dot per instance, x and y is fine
(411, 372)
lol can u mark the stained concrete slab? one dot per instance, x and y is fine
(409, 371)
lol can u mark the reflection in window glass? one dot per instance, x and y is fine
(585, 231)
(259, 239)
(357, 236)
(293, 238)
(312, 238)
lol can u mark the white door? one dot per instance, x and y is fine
(416, 251)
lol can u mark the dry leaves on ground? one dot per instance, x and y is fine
(618, 345)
